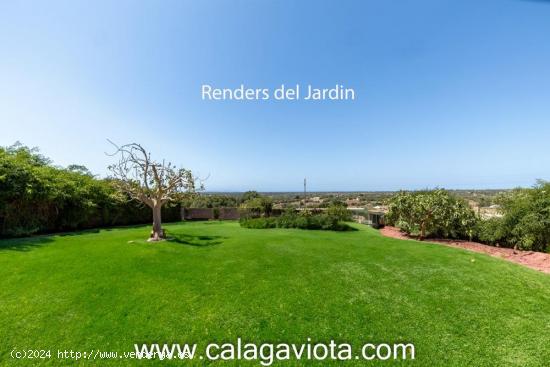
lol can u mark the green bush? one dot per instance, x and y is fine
(209, 201)
(257, 206)
(340, 211)
(491, 231)
(259, 223)
(302, 220)
(216, 213)
(434, 213)
(525, 223)
(37, 197)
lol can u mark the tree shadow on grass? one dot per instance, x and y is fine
(197, 241)
(78, 232)
(24, 244)
(28, 243)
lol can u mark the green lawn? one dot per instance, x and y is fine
(216, 281)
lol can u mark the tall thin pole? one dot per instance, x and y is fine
(305, 197)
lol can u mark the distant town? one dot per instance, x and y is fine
(481, 201)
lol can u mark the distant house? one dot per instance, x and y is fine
(376, 219)
(353, 202)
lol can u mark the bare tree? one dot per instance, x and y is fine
(149, 182)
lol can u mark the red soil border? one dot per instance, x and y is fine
(534, 260)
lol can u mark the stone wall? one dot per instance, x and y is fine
(229, 213)
(210, 213)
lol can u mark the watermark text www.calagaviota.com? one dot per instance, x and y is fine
(239, 350)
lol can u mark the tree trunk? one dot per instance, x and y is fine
(422, 230)
(158, 233)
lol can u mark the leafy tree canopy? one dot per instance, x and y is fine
(434, 213)
(525, 221)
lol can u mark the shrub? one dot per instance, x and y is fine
(525, 222)
(257, 206)
(37, 197)
(339, 211)
(258, 223)
(303, 220)
(491, 231)
(434, 213)
(287, 219)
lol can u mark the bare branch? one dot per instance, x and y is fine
(148, 181)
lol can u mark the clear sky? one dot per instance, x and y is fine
(450, 93)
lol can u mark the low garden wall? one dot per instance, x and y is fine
(229, 213)
(210, 213)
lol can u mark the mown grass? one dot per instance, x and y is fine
(215, 282)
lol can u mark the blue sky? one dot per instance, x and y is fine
(453, 94)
